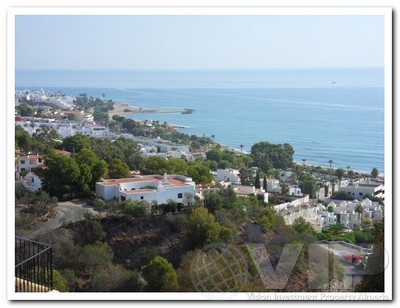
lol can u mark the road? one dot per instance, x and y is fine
(65, 212)
(353, 275)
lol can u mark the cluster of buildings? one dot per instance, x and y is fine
(181, 189)
(351, 214)
(42, 97)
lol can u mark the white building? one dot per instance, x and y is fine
(284, 175)
(195, 156)
(32, 182)
(147, 188)
(295, 190)
(346, 214)
(228, 175)
(273, 185)
(245, 190)
(361, 189)
(30, 162)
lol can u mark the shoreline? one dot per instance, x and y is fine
(119, 108)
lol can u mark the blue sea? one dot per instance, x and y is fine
(325, 114)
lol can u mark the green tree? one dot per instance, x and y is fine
(199, 174)
(265, 183)
(118, 169)
(98, 167)
(61, 176)
(267, 155)
(160, 275)
(340, 174)
(25, 111)
(89, 230)
(308, 184)
(202, 227)
(267, 219)
(213, 201)
(96, 257)
(115, 278)
(374, 173)
(336, 229)
(300, 225)
(155, 165)
(330, 165)
(359, 210)
(100, 117)
(374, 280)
(75, 143)
(257, 183)
(59, 282)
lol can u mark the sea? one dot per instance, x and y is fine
(325, 114)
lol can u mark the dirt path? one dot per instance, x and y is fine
(65, 212)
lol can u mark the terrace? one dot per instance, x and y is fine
(33, 266)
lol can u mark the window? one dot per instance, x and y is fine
(33, 180)
(22, 169)
(360, 194)
(22, 162)
(40, 160)
(180, 196)
(141, 197)
(123, 198)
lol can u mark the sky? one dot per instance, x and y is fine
(198, 42)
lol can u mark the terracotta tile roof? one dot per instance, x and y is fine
(175, 182)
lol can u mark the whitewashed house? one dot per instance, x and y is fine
(147, 188)
(228, 176)
(32, 182)
(30, 162)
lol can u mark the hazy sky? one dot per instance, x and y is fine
(198, 42)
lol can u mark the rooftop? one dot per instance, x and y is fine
(172, 180)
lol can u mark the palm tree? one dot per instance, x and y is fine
(330, 166)
(241, 148)
(374, 172)
(359, 209)
(284, 189)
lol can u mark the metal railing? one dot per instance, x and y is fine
(33, 266)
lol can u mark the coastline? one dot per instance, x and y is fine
(120, 107)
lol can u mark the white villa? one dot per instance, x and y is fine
(147, 188)
(228, 176)
(29, 162)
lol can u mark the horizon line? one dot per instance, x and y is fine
(198, 69)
